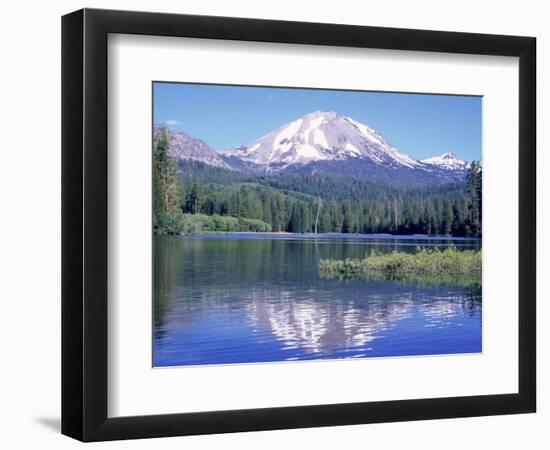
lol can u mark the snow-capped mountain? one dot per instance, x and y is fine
(447, 161)
(322, 143)
(321, 136)
(183, 146)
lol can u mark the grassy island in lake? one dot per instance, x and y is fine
(448, 265)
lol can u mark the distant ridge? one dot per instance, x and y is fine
(447, 161)
(182, 146)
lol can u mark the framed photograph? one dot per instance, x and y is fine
(273, 224)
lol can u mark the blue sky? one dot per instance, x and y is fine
(419, 125)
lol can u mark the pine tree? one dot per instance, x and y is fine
(474, 182)
(166, 187)
(267, 207)
(295, 225)
(447, 218)
(195, 198)
(279, 212)
(244, 202)
(347, 224)
(234, 205)
(307, 219)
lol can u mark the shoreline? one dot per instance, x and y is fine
(328, 235)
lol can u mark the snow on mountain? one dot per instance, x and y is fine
(321, 142)
(447, 161)
(321, 136)
(183, 146)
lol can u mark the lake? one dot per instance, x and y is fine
(244, 298)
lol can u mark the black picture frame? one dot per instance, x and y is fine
(84, 224)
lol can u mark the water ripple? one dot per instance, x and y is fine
(224, 301)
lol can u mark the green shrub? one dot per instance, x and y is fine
(254, 225)
(424, 264)
(201, 223)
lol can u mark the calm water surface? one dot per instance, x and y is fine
(221, 299)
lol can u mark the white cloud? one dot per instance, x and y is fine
(173, 122)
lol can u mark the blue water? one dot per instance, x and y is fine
(236, 298)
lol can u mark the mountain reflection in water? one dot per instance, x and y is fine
(255, 298)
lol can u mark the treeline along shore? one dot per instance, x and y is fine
(191, 197)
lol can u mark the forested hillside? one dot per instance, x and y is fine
(192, 197)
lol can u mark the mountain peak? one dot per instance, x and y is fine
(448, 155)
(447, 161)
(315, 114)
(321, 136)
